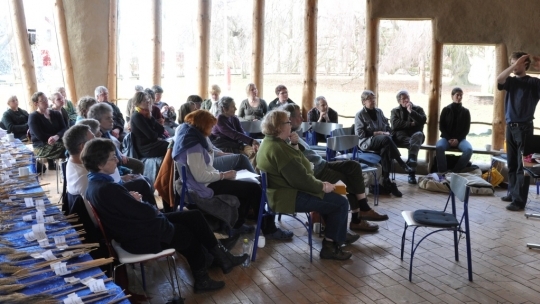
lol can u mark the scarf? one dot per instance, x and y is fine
(99, 177)
(143, 112)
(188, 136)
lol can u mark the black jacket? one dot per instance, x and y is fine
(274, 104)
(400, 124)
(462, 115)
(16, 122)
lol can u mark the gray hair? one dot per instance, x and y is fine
(139, 88)
(401, 93)
(291, 108)
(98, 110)
(84, 104)
(100, 90)
(74, 137)
(224, 104)
(366, 94)
(318, 100)
(90, 122)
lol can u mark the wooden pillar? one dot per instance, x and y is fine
(113, 34)
(156, 42)
(372, 50)
(434, 92)
(499, 123)
(310, 59)
(65, 54)
(203, 45)
(28, 72)
(257, 55)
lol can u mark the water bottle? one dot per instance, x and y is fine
(246, 249)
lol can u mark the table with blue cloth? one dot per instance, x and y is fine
(20, 210)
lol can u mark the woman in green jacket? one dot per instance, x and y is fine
(293, 188)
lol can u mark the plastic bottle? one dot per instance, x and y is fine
(246, 248)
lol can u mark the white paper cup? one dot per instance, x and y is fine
(488, 147)
(262, 241)
(316, 227)
(10, 137)
(23, 171)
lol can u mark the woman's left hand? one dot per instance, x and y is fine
(255, 144)
(136, 195)
(53, 139)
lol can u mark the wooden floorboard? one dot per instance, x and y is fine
(504, 269)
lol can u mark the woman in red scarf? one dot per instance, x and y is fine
(146, 131)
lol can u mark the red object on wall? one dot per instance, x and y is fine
(46, 58)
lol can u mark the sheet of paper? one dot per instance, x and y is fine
(245, 175)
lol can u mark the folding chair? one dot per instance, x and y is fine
(265, 206)
(251, 127)
(124, 257)
(443, 221)
(180, 199)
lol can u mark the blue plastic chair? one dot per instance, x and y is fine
(264, 210)
(443, 221)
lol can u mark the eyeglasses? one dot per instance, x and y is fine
(287, 122)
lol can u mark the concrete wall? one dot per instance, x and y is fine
(514, 23)
(88, 34)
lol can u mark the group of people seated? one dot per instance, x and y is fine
(209, 141)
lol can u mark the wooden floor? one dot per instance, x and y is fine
(504, 269)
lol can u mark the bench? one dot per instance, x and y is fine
(431, 149)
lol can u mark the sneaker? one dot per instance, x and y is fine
(364, 226)
(351, 238)
(280, 235)
(506, 198)
(514, 207)
(372, 215)
(412, 180)
(332, 251)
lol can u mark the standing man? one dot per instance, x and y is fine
(281, 99)
(408, 124)
(522, 94)
(102, 95)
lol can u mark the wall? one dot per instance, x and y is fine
(511, 22)
(88, 38)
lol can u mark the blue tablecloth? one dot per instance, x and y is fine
(17, 238)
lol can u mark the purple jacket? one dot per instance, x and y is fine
(230, 128)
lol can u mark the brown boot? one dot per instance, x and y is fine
(332, 251)
(372, 215)
(364, 226)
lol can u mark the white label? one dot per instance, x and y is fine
(60, 240)
(71, 280)
(86, 281)
(73, 298)
(61, 269)
(29, 202)
(39, 231)
(39, 217)
(30, 236)
(49, 219)
(67, 253)
(44, 242)
(28, 218)
(48, 255)
(97, 286)
(40, 205)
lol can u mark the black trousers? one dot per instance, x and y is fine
(388, 151)
(516, 139)
(192, 237)
(249, 195)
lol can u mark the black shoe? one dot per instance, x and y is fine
(412, 180)
(408, 169)
(204, 283)
(382, 190)
(412, 163)
(392, 187)
(224, 259)
(351, 238)
(332, 251)
(229, 243)
(514, 207)
(506, 198)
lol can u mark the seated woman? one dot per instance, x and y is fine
(58, 104)
(72, 113)
(141, 229)
(252, 108)
(454, 125)
(192, 148)
(84, 105)
(46, 130)
(374, 132)
(184, 110)
(15, 119)
(228, 135)
(293, 188)
(146, 132)
(103, 113)
(211, 104)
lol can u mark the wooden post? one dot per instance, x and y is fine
(113, 33)
(203, 45)
(257, 55)
(310, 60)
(67, 67)
(372, 50)
(156, 41)
(499, 123)
(24, 52)
(434, 92)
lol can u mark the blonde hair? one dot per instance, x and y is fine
(272, 122)
(214, 89)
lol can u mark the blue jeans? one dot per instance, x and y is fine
(333, 208)
(232, 162)
(464, 146)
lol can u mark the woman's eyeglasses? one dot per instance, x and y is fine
(287, 122)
